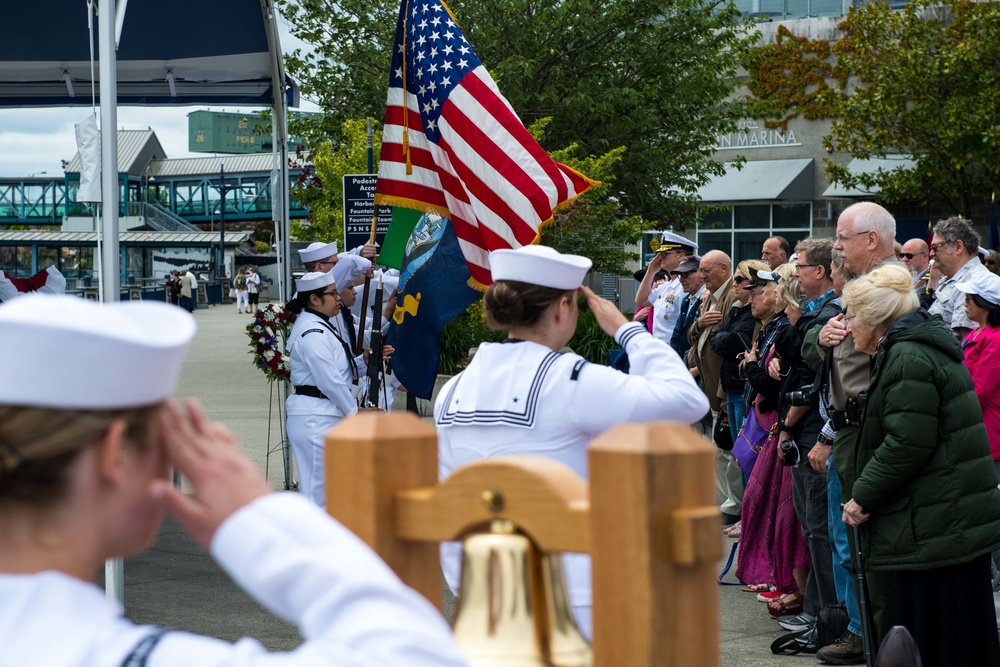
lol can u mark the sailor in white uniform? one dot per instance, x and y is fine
(666, 297)
(319, 257)
(84, 478)
(523, 396)
(324, 371)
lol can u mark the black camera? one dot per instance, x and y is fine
(802, 397)
(791, 450)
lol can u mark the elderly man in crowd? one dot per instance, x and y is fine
(955, 249)
(916, 255)
(716, 270)
(865, 236)
(775, 251)
(694, 289)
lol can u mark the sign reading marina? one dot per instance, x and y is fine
(752, 134)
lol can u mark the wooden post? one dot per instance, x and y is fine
(655, 526)
(369, 458)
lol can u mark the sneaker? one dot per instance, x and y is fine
(769, 595)
(797, 622)
(849, 649)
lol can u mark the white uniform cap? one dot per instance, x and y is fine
(348, 269)
(671, 241)
(983, 283)
(389, 283)
(317, 251)
(313, 281)
(70, 353)
(984, 252)
(539, 265)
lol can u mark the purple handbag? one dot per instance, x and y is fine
(758, 431)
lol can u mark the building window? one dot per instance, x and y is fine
(741, 230)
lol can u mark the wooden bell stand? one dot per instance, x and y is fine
(648, 519)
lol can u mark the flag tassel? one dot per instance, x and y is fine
(406, 151)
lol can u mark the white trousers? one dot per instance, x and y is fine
(242, 300)
(307, 434)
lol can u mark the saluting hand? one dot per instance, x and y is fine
(606, 313)
(223, 478)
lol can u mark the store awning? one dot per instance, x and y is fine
(762, 180)
(869, 166)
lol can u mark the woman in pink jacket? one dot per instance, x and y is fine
(982, 350)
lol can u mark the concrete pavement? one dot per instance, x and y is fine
(178, 585)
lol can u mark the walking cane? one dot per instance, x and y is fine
(859, 573)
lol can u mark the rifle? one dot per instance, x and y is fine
(375, 359)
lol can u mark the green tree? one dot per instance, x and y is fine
(922, 81)
(321, 186)
(651, 76)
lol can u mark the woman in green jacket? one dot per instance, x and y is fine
(925, 495)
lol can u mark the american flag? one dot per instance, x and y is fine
(456, 147)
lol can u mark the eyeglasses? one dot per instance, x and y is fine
(849, 318)
(911, 255)
(805, 266)
(706, 270)
(334, 294)
(756, 291)
(842, 238)
(936, 246)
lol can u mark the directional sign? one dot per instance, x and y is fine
(359, 198)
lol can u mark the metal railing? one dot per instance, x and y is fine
(159, 218)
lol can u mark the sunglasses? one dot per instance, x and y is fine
(911, 255)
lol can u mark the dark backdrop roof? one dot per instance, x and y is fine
(218, 51)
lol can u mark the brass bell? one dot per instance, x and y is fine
(514, 608)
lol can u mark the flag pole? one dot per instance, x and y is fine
(368, 284)
(371, 240)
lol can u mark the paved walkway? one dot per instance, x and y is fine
(176, 584)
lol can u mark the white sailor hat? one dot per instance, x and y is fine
(317, 251)
(984, 252)
(539, 265)
(671, 241)
(389, 283)
(70, 353)
(348, 269)
(984, 284)
(767, 276)
(313, 281)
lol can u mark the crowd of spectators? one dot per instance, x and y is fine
(860, 379)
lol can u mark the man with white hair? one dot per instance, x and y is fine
(865, 236)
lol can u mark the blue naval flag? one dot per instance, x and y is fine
(433, 290)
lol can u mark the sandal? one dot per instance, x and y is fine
(734, 531)
(756, 588)
(785, 606)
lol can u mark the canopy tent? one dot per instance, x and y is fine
(179, 53)
(170, 53)
(149, 52)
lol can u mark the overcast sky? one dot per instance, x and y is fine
(35, 140)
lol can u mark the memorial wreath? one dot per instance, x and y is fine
(269, 324)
